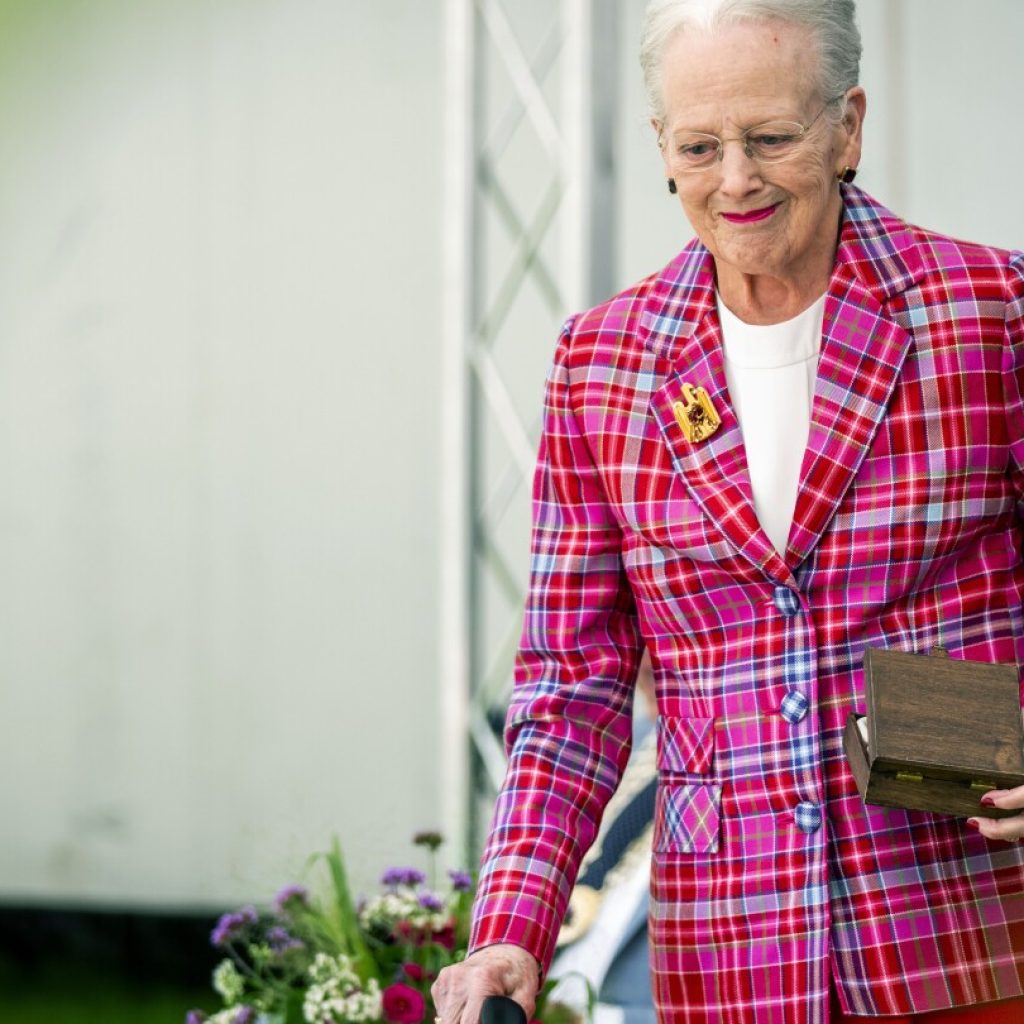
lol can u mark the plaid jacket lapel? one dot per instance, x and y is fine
(863, 349)
(681, 325)
(862, 352)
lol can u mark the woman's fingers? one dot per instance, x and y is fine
(1008, 799)
(500, 970)
(1009, 830)
(447, 1002)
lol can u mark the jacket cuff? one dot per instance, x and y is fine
(520, 919)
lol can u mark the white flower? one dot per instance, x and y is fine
(337, 995)
(227, 982)
(401, 904)
(228, 1016)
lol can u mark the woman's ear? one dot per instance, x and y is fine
(856, 107)
(659, 134)
(853, 125)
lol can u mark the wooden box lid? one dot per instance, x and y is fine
(942, 715)
(940, 733)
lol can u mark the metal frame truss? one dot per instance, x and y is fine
(530, 237)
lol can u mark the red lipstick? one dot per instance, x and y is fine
(750, 218)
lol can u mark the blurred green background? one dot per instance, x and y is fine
(71, 995)
(86, 967)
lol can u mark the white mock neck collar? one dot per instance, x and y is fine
(766, 346)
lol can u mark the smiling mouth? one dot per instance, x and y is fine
(752, 217)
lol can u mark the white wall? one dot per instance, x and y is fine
(941, 146)
(220, 237)
(219, 302)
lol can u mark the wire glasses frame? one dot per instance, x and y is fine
(769, 142)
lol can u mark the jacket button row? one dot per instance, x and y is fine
(807, 817)
(786, 601)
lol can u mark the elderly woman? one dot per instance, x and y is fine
(803, 437)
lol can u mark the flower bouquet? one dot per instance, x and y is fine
(325, 959)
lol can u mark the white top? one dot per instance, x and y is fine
(770, 371)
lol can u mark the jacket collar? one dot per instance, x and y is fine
(876, 249)
(862, 352)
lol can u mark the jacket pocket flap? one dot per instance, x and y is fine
(686, 818)
(685, 745)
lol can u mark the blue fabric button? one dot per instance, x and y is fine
(786, 601)
(807, 816)
(794, 707)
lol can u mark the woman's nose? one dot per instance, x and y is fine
(741, 174)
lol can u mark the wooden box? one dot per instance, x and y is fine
(940, 732)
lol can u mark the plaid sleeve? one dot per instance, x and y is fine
(1014, 367)
(569, 724)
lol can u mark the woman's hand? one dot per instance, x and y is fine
(499, 970)
(1009, 830)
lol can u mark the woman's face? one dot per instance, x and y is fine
(778, 219)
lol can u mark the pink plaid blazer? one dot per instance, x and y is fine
(769, 873)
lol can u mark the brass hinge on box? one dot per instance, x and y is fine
(977, 785)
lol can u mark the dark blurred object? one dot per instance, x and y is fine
(502, 1010)
(149, 948)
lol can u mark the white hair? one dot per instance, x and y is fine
(832, 22)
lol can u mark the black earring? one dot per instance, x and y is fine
(672, 186)
(847, 174)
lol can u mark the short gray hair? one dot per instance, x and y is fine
(832, 22)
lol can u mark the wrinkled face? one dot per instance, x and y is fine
(778, 219)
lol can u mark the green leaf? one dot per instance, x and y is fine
(553, 1012)
(345, 916)
(293, 1008)
(462, 909)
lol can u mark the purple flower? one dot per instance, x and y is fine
(244, 1015)
(195, 1017)
(281, 942)
(403, 876)
(462, 881)
(430, 901)
(291, 897)
(230, 925)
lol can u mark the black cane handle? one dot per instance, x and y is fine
(501, 1010)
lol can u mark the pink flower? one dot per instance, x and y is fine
(403, 1005)
(445, 937)
(414, 971)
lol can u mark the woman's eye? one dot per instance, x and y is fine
(771, 141)
(697, 149)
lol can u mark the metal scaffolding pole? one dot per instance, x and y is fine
(530, 237)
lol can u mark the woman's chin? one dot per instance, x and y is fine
(750, 255)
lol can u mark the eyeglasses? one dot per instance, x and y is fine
(766, 143)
